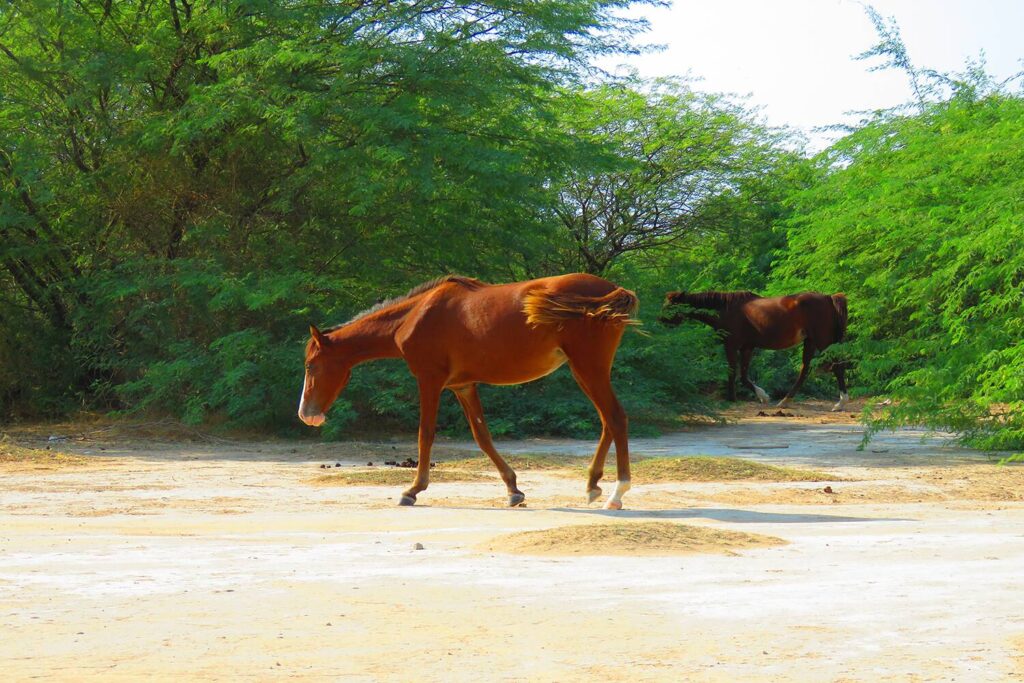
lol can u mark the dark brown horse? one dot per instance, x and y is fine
(748, 321)
(456, 332)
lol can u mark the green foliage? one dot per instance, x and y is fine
(661, 166)
(916, 218)
(185, 186)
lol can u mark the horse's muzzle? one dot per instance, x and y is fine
(313, 420)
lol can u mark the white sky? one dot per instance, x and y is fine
(794, 58)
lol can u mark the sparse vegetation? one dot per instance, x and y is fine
(14, 454)
(394, 476)
(715, 468)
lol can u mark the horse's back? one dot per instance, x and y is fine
(785, 321)
(483, 334)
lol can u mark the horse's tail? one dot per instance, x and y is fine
(839, 304)
(617, 306)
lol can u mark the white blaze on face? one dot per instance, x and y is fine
(311, 420)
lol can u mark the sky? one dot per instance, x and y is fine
(794, 58)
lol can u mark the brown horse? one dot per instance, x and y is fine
(456, 332)
(748, 321)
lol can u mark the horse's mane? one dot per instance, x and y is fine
(715, 301)
(468, 282)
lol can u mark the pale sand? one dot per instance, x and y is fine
(218, 562)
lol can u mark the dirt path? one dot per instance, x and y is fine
(229, 561)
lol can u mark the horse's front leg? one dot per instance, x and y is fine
(469, 399)
(732, 358)
(745, 357)
(430, 398)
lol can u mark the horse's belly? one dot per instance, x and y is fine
(524, 370)
(784, 340)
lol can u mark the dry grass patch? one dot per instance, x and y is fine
(522, 462)
(708, 468)
(394, 476)
(649, 470)
(1017, 653)
(641, 538)
(40, 458)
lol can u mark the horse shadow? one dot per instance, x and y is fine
(725, 515)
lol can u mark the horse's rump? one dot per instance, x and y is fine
(617, 306)
(839, 303)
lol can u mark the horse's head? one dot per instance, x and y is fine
(327, 374)
(670, 311)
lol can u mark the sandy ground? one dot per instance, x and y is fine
(227, 560)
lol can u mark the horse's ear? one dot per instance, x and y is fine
(318, 337)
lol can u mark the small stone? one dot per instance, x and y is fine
(828, 489)
(418, 546)
(323, 467)
(369, 464)
(337, 464)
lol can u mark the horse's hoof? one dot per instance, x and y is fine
(613, 505)
(407, 501)
(515, 499)
(593, 494)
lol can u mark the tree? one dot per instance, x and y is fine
(184, 184)
(671, 164)
(915, 218)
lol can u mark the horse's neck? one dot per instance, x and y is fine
(706, 318)
(369, 338)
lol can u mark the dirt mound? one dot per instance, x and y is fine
(707, 468)
(642, 538)
(978, 482)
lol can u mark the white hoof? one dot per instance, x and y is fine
(615, 502)
(762, 395)
(844, 398)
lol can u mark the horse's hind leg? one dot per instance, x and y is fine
(594, 377)
(804, 369)
(732, 358)
(469, 399)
